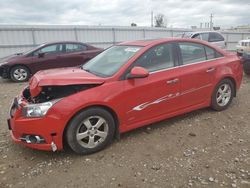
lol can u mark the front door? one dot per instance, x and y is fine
(156, 95)
(47, 57)
(73, 55)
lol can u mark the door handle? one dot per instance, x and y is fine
(210, 70)
(174, 81)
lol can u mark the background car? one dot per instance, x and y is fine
(246, 62)
(243, 46)
(209, 36)
(21, 66)
(127, 86)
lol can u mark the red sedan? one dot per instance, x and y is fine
(127, 86)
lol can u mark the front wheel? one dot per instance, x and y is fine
(19, 73)
(90, 131)
(222, 95)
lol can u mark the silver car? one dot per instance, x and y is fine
(210, 36)
(243, 46)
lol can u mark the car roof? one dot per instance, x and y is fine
(196, 32)
(158, 41)
(62, 42)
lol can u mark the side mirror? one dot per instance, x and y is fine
(138, 72)
(40, 55)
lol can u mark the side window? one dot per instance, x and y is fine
(192, 52)
(217, 54)
(205, 36)
(211, 53)
(52, 49)
(215, 37)
(75, 47)
(157, 58)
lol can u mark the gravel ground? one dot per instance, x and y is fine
(199, 149)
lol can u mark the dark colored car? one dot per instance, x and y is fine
(246, 63)
(20, 67)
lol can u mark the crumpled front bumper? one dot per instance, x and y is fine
(4, 71)
(24, 130)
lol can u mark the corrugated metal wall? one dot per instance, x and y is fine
(19, 38)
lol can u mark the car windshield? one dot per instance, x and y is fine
(110, 61)
(33, 49)
(187, 35)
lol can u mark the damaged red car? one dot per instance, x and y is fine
(127, 86)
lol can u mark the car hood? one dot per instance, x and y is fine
(62, 77)
(11, 57)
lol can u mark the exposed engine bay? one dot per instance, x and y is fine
(54, 92)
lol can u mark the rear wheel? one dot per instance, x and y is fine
(90, 131)
(19, 73)
(223, 95)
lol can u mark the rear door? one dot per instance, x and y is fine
(156, 95)
(198, 67)
(74, 54)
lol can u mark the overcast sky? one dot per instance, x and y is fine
(179, 13)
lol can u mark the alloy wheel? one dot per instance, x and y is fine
(20, 74)
(223, 94)
(92, 131)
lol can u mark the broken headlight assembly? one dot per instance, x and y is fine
(38, 110)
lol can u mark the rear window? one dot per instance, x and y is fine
(193, 52)
(74, 47)
(211, 53)
(215, 37)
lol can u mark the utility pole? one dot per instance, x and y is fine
(152, 19)
(211, 22)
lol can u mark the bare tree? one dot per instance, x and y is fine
(160, 20)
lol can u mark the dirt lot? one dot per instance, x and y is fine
(200, 149)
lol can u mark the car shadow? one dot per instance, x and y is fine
(166, 123)
(9, 81)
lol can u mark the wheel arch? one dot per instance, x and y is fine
(232, 80)
(107, 108)
(15, 65)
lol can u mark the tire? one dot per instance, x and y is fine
(90, 131)
(222, 95)
(247, 72)
(19, 73)
(246, 67)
